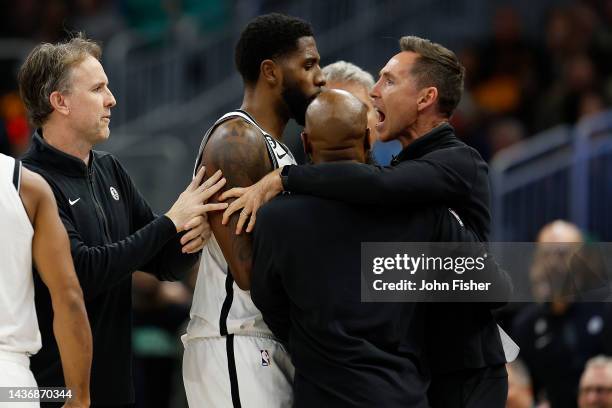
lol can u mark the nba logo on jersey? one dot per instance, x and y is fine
(265, 358)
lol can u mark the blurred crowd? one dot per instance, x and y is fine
(516, 84)
(515, 87)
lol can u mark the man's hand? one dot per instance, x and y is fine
(190, 203)
(197, 236)
(249, 199)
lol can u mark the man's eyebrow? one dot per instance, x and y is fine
(98, 84)
(386, 74)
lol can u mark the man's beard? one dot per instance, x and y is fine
(297, 102)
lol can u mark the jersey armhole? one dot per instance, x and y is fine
(17, 175)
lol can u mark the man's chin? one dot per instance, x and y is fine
(384, 136)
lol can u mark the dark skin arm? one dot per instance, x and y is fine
(51, 253)
(239, 151)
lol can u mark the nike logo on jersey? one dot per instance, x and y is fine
(73, 202)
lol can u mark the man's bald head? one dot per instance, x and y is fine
(560, 231)
(336, 128)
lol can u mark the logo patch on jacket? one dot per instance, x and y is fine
(114, 193)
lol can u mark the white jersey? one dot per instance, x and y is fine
(18, 323)
(219, 306)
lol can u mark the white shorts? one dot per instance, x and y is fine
(15, 373)
(256, 371)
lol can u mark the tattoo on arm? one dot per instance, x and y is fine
(239, 150)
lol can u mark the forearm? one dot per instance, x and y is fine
(410, 182)
(73, 335)
(170, 263)
(99, 268)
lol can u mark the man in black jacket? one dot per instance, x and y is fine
(415, 96)
(112, 229)
(347, 353)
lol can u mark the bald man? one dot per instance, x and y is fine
(336, 128)
(307, 281)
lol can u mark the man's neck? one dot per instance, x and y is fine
(264, 112)
(420, 128)
(66, 141)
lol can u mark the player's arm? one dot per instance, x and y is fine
(239, 151)
(51, 253)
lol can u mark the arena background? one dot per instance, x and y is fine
(536, 106)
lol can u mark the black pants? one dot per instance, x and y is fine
(475, 388)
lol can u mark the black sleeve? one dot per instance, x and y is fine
(168, 262)
(442, 176)
(461, 242)
(267, 289)
(103, 266)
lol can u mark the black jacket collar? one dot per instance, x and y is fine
(50, 157)
(433, 140)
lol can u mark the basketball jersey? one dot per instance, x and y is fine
(18, 323)
(219, 306)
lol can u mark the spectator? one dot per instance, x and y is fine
(596, 384)
(520, 392)
(557, 336)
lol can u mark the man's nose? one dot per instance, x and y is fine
(319, 77)
(110, 101)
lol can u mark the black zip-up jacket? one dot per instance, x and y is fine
(435, 169)
(113, 232)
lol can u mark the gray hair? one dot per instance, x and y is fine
(342, 71)
(600, 361)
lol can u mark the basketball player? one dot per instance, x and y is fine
(30, 229)
(231, 357)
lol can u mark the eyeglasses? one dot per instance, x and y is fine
(595, 389)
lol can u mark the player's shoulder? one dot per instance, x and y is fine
(237, 130)
(34, 185)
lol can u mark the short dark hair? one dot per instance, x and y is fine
(47, 69)
(437, 66)
(266, 37)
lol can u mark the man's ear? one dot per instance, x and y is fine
(59, 103)
(270, 72)
(427, 97)
(306, 143)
